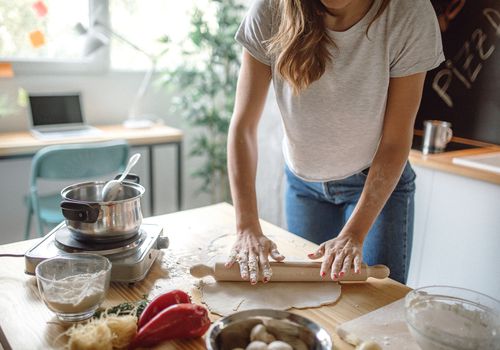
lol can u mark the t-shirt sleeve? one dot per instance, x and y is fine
(255, 29)
(417, 46)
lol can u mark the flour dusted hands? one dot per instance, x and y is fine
(339, 255)
(252, 250)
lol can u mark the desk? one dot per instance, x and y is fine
(25, 322)
(22, 144)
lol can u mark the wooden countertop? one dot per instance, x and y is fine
(444, 162)
(26, 323)
(21, 143)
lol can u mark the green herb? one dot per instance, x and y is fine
(134, 308)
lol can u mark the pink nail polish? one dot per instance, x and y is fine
(310, 255)
(323, 274)
(341, 274)
(335, 276)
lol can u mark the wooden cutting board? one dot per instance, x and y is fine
(385, 326)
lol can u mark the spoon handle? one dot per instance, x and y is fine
(130, 164)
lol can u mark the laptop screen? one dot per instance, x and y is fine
(55, 110)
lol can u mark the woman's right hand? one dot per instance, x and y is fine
(252, 250)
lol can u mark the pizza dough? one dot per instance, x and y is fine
(224, 298)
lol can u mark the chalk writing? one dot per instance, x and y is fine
(468, 62)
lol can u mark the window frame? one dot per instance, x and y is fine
(99, 62)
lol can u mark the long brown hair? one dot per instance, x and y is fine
(301, 43)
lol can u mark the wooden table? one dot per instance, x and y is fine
(26, 323)
(21, 144)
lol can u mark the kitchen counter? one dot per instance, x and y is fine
(444, 162)
(26, 323)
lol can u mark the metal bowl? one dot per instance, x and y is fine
(233, 331)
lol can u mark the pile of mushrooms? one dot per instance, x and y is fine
(275, 335)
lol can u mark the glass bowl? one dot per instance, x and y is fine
(73, 285)
(451, 318)
(233, 331)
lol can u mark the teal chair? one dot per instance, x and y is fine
(68, 162)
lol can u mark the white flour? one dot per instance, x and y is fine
(75, 294)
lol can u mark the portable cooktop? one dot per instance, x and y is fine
(130, 259)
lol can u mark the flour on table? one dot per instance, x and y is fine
(224, 298)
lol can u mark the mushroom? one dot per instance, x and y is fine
(279, 345)
(259, 332)
(368, 345)
(256, 345)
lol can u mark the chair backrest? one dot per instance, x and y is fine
(78, 161)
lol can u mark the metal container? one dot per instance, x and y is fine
(239, 324)
(91, 219)
(437, 134)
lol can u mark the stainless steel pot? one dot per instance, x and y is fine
(89, 218)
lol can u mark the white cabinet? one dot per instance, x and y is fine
(457, 232)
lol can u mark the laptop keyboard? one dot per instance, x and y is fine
(64, 134)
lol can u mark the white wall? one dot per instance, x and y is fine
(106, 99)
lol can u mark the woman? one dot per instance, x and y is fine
(348, 77)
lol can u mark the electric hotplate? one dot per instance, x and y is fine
(130, 259)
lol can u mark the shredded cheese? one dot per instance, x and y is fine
(104, 333)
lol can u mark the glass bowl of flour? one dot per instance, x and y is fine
(73, 285)
(451, 318)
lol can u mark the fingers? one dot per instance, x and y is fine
(233, 256)
(318, 253)
(253, 267)
(275, 254)
(326, 265)
(346, 266)
(265, 267)
(337, 263)
(357, 263)
(243, 262)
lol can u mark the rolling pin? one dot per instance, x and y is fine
(288, 272)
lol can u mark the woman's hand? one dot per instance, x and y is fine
(339, 255)
(251, 251)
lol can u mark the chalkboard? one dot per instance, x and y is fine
(465, 89)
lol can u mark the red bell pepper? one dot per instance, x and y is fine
(175, 322)
(160, 303)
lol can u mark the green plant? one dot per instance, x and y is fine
(205, 86)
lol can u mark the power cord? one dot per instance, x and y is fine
(12, 255)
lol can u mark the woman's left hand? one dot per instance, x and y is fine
(339, 255)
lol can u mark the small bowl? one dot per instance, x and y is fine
(451, 318)
(73, 285)
(233, 331)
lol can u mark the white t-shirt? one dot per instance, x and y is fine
(333, 128)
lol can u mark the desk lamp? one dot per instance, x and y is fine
(98, 36)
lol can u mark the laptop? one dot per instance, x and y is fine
(58, 116)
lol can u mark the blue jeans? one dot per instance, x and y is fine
(317, 211)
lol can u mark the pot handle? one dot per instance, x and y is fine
(129, 178)
(79, 211)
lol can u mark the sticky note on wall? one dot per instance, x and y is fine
(6, 70)
(40, 8)
(37, 38)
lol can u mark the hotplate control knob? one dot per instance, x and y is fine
(162, 242)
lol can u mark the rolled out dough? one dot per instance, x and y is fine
(224, 298)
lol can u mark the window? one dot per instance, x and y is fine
(144, 23)
(40, 36)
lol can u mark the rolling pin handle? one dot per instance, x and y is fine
(377, 271)
(201, 270)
